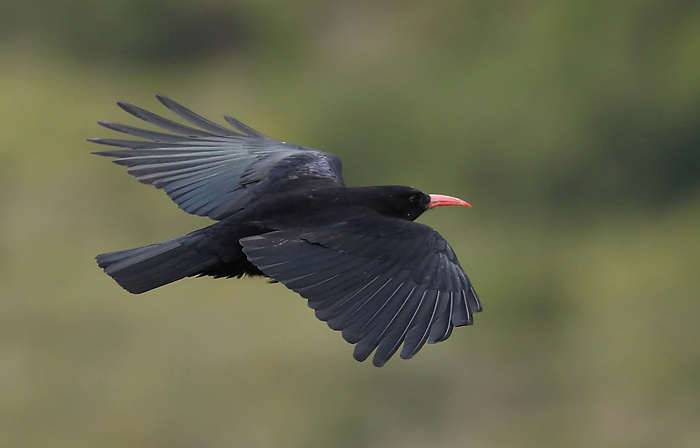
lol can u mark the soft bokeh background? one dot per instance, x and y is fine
(573, 128)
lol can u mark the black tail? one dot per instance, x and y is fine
(145, 268)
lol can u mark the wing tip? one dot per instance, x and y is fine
(107, 124)
(360, 357)
(243, 128)
(127, 107)
(167, 102)
(473, 299)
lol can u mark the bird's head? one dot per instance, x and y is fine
(409, 203)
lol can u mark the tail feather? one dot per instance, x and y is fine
(144, 268)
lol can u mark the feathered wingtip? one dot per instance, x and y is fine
(179, 134)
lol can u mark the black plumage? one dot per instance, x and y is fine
(284, 212)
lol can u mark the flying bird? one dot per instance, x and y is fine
(283, 211)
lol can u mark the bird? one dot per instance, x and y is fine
(282, 211)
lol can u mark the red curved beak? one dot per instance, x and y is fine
(438, 200)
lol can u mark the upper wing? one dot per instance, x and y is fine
(382, 281)
(210, 170)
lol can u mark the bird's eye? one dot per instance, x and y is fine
(415, 198)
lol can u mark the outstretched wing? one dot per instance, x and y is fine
(381, 281)
(210, 170)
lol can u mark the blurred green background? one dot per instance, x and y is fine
(573, 128)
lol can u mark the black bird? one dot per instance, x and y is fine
(284, 212)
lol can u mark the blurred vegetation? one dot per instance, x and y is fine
(573, 128)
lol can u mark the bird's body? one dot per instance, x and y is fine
(284, 212)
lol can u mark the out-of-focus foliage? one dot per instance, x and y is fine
(573, 128)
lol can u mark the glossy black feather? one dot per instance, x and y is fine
(387, 296)
(209, 170)
(385, 282)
